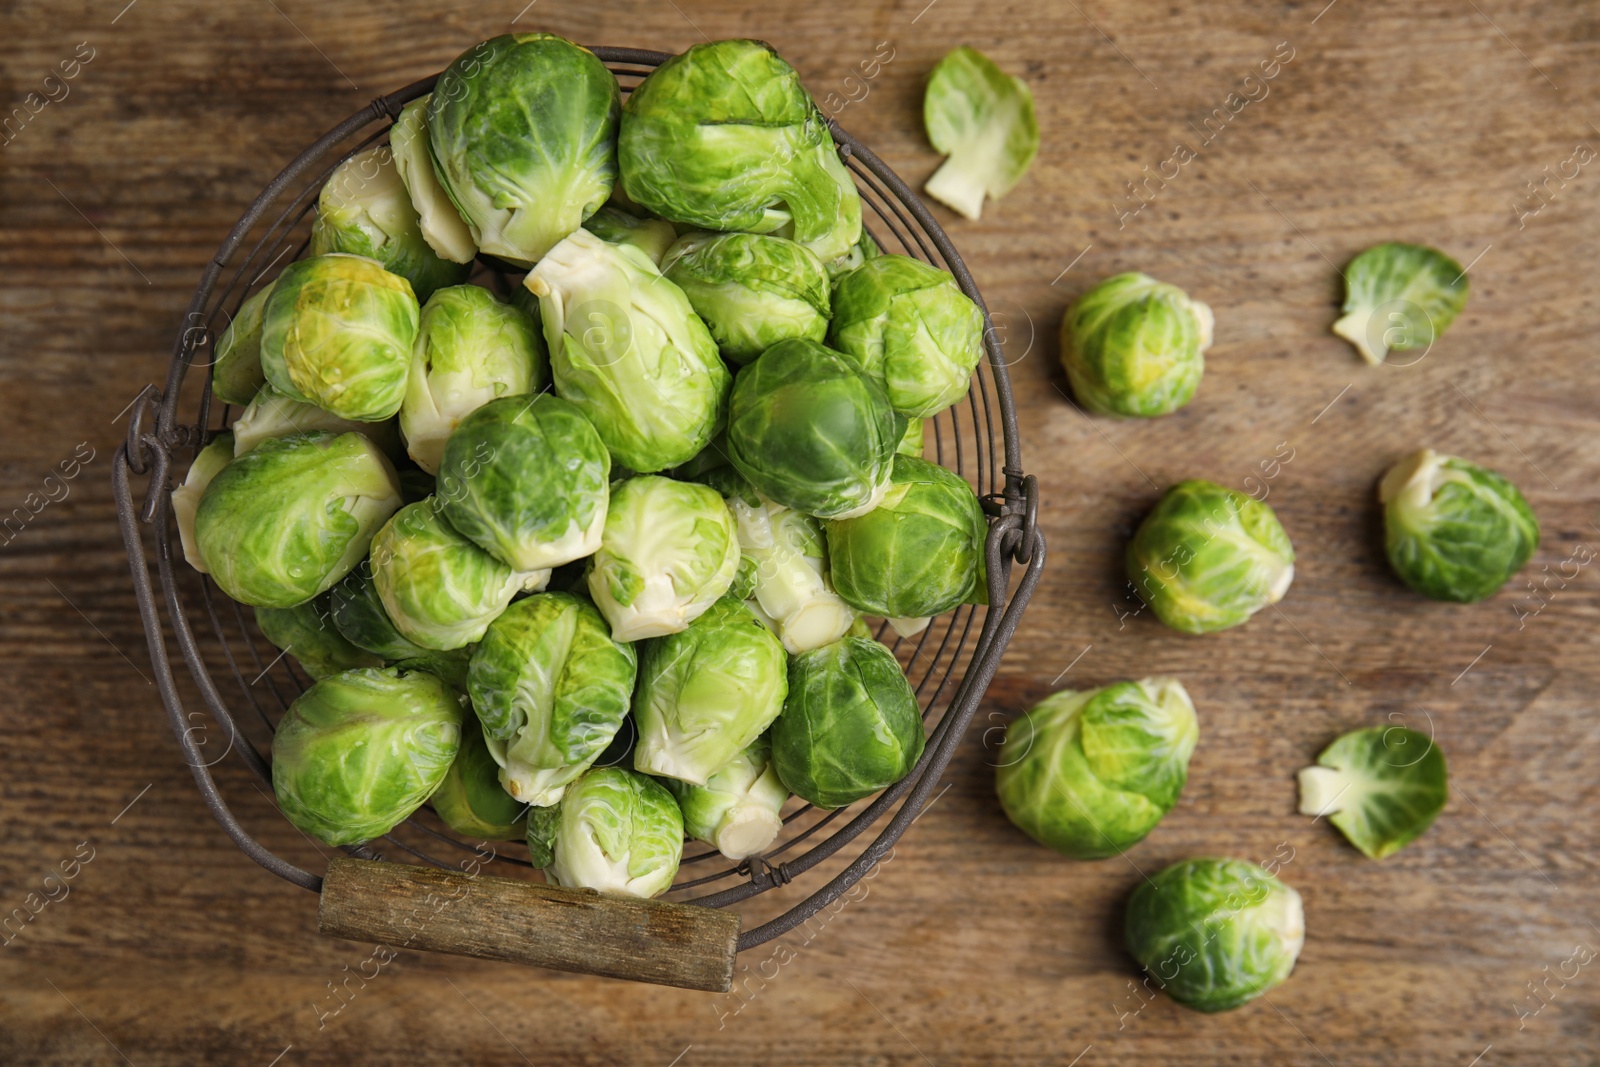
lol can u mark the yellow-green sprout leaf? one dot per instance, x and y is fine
(1381, 786)
(236, 375)
(272, 414)
(651, 236)
(982, 118)
(441, 224)
(186, 497)
(1135, 346)
(1399, 298)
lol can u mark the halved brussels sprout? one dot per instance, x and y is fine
(615, 226)
(236, 374)
(615, 831)
(358, 752)
(982, 118)
(1090, 773)
(1398, 298)
(523, 132)
(629, 351)
(1454, 530)
(359, 615)
(551, 689)
(1215, 933)
(272, 414)
(442, 225)
(471, 801)
(285, 521)
(307, 633)
(1207, 558)
(753, 290)
(810, 432)
(1382, 787)
(1135, 346)
(706, 693)
(186, 498)
(738, 810)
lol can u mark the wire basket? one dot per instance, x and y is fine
(680, 940)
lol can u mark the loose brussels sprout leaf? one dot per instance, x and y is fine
(615, 831)
(753, 290)
(982, 118)
(359, 615)
(1399, 298)
(440, 590)
(358, 752)
(850, 725)
(551, 689)
(917, 553)
(911, 441)
(668, 551)
(1382, 787)
(724, 137)
(441, 224)
(615, 226)
(1207, 558)
(706, 693)
(186, 497)
(470, 799)
(738, 809)
(1135, 346)
(307, 633)
(470, 349)
(337, 332)
(236, 374)
(525, 478)
(1215, 933)
(1453, 530)
(285, 521)
(1090, 773)
(523, 132)
(864, 249)
(272, 414)
(909, 326)
(629, 351)
(810, 432)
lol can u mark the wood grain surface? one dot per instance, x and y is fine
(157, 942)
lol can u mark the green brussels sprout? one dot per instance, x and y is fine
(982, 118)
(810, 432)
(850, 725)
(470, 349)
(1135, 346)
(712, 457)
(236, 374)
(439, 589)
(286, 520)
(1090, 773)
(1207, 558)
(442, 225)
(917, 553)
(364, 210)
(337, 332)
(753, 290)
(615, 831)
(272, 414)
(629, 351)
(1453, 530)
(738, 810)
(358, 614)
(706, 693)
(668, 551)
(523, 131)
(307, 631)
(525, 478)
(471, 801)
(186, 497)
(615, 226)
(551, 689)
(358, 752)
(1382, 787)
(449, 667)
(1399, 298)
(864, 249)
(1215, 933)
(909, 326)
(911, 441)
(724, 137)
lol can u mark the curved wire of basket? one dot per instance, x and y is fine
(949, 665)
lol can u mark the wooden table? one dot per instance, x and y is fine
(1421, 122)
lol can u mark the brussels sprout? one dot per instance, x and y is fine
(441, 224)
(615, 226)
(1135, 346)
(272, 414)
(1207, 558)
(1398, 298)
(186, 497)
(737, 810)
(470, 799)
(285, 521)
(629, 351)
(669, 550)
(710, 458)
(724, 137)
(1090, 773)
(706, 693)
(236, 373)
(525, 478)
(810, 432)
(1215, 933)
(523, 131)
(911, 441)
(909, 326)
(364, 210)
(753, 290)
(551, 689)
(614, 831)
(440, 590)
(850, 725)
(358, 752)
(1382, 787)
(358, 614)
(449, 667)
(470, 349)
(1453, 530)
(337, 332)
(307, 631)
(982, 118)
(864, 249)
